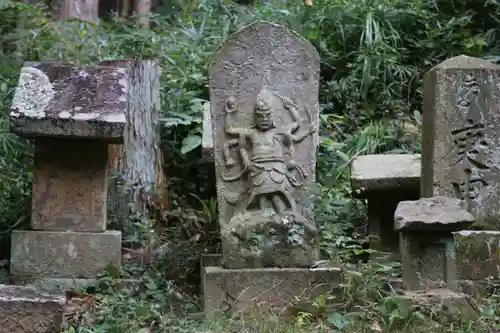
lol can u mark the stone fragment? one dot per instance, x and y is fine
(64, 100)
(69, 185)
(478, 254)
(207, 142)
(264, 85)
(432, 214)
(460, 134)
(385, 172)
(55, 254)
(26, 310)
(263, 290)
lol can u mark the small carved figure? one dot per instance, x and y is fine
(268, 161)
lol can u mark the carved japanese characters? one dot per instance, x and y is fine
(265, 113)
(461, 140)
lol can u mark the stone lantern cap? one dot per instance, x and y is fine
(432, 214)
(64, 100)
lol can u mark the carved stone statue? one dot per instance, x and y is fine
(264, 107)
(266, 155)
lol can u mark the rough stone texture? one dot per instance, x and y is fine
(55, 254)
(69, 185)
(460, 139)
(264, 290)
(443, 305)
(264, 106)
(25, 310)
(54, 99)
(207, 142)
(385, 172)
(428, 260)
(432, 214)
(478, 254)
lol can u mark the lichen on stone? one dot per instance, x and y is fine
(33, 94)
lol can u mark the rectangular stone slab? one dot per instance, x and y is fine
(460, 137)
(57, 254)
(70, 185)
(64, 100)
(269, 289)
(385, 172)
(26, 310)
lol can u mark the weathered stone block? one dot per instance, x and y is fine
(26, 310)
(460, 134)
(385, 180)
(443, 305)
(54, 99)
(263, 290)
(426, 241)
(432, 214)
(385, 172)
(63, 254)
(69, 185)
(478, 254)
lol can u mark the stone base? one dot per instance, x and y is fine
(263, 290)
(27, 310)
(443, 305)
(55, 254)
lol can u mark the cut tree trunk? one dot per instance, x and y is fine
(143, 8)
(86, 10)
(138, 162)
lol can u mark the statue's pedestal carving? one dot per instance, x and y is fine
(255, 291)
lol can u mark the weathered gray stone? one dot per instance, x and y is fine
(264, 106)
(207, 141)
(432, 214)
(69, 185)
(460, 134)
(442, 305)
(26, 310)
(64, 100)
(478, 254)
(385, 172)
(385, 180)
(56, 254)
(426, 241)
(263, 290)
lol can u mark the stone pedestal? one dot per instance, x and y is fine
(25, 310)
(442, 305)
(427, 246)
(255, 291)
(73, 113)
(385, 180)
(478, 254)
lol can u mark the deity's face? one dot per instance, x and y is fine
(263, 117)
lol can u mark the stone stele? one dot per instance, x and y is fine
(264, 105)
(63, 100)
(460, 139)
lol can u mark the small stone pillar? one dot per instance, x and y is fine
(385, 180)
(72, 113)
(426, 241)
